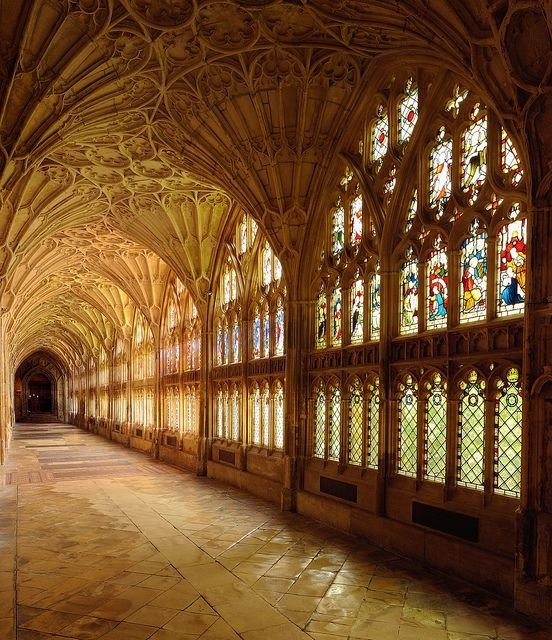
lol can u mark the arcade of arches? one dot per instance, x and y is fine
(300, 247)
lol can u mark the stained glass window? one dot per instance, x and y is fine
(408, 111)
(266, 331)
(507, 436)
(440, 166)
(242, 242)
(375, 305)
(236, 341)
(474, 155)
(336, 317)
(471, 432)
(227, 286)
(235, 414)
(219, 414)
(256, 435)
(437, 287)
(373, 418)
(233, 285)
(408, 428)
(412, 211)
(279, 328)
(277, 269)
(435, 431)
(267, 265)
(409, 295)
(321, 319)
(509, 159)
(279, 416)
(220, 347)
(357, 310)
(265, 403)
(338, 228)
(473, 269)
(512, 268)
(390, 182)
(380, 137)
(320, 423)
(226, 407)
(334, 436)
(257, 333)
(356, 220)
(354, 424)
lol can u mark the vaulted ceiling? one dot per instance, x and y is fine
(131, 132)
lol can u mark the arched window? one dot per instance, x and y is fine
(408, 427)
(278, 415)
(440, 172)
(437, 286)
(407, 111)
(471, 432)
(357, 310)
(372, 431)
(473, 267)
(435, 430)
(336, 333)
(235, 402)
(256, 415)
(321, 319)
(507, 435)
(512, 265)
(279, 327)
(338, 228)
(265, 415)
(474, 154)
(320, 421)
(334, 423)
(379, 137)
(375, 304)
(409, 294)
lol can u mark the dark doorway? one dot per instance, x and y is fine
(40, 394)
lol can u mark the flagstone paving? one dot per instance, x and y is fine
(98, 541)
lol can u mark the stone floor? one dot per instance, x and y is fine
(100, 542)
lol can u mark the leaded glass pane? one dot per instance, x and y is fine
(265, 417)
(320, 423)
(408, 111)
(266, 332)
(226, 341)
(373, 426)
(435, 432)
(408, 429)
(507, 444)
(338, 228)
(380, 138)
(336, 317)
(409, 297)
(334, 439)
(471, 433)
(267, 265)
(321, 320)
(356, 220)
(279, 418)
(235, 415)
(219, 345)
(357, 311)
(473, 155)
(354, 426)
(440, 176)
(375, 306)
(277, 269)
(437, 289)
(243, 236)
(473, 269)
(512, 268)
(412, 212)
(235, 342)
(256, 435)
(509, 159)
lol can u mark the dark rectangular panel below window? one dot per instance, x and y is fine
(339, 489)
(227, 456)
(139, 433)
(455, 524)
(171, 441)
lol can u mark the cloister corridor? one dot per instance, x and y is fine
(99, 541)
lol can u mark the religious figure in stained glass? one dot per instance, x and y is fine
(235, 341)
(375, 305)
(321, 318)
(266, 331)
(408, 111)
(512, 268)
(219, 345)
(279, 328)
(357, 310)
(474, 152)
(440, 167)
(409, 295)
(338, 228)
(257, 334)
(437, 288)
(473, 268)
(336, 311)
(356, 220)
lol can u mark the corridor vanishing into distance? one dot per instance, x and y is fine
(107, 543)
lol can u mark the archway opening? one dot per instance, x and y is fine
(40, 394)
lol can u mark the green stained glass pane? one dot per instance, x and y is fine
(507, 444)
(354, 425)
(334, 440)
(435, 432)
(408, 429)
(471, 434)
